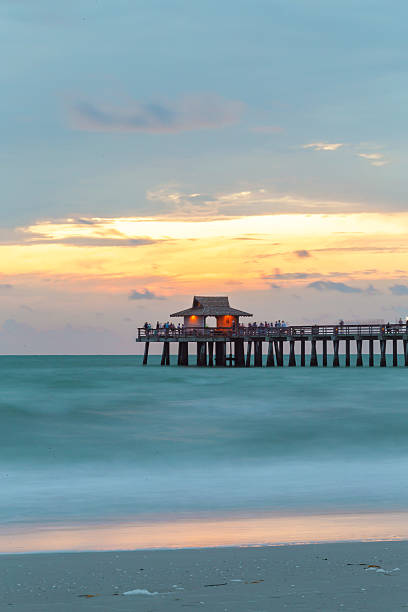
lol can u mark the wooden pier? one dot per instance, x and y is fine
(242, 346)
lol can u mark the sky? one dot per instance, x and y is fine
(152, 151)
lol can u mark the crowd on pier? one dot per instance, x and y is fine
(251, 327)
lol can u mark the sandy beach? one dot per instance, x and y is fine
(340, 576)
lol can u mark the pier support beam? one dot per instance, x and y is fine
(146, 353)
(336, 361)
(371, 353)
(302, 353)
(180, 354)
(292, 357)
(183, 353)
(313, 354)
(395, 352)
(220, 354)
(270, 362)
(347, 352)
(165, 359)
(383, 348)
(279, 355)
(325, 353)
(406, 352)
(248, 355)
(239, 353)
(258, 353)
(359, 362)
(201, 354)
(211, 354)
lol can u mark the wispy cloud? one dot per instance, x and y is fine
(324, 146)
(5, 286)
(375, 159)
(290, 275)
(248, 202)
(333, 286)
(302, 253)
(189, 113)
(144, 294)
(399, 290)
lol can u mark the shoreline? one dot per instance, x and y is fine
(324, 576)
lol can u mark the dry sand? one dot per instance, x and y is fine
(313, 577)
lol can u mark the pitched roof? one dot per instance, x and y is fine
(211, 306)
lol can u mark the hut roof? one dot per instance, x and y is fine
(211, 306)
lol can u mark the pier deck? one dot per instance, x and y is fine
(210, 340)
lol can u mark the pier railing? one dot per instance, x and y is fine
(293, 331)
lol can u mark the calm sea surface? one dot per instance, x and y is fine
(102, 440)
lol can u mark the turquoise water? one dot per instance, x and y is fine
(102, 438)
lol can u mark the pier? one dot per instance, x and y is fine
(232, 344)
(244, 346)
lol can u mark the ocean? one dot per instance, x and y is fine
(96, 446)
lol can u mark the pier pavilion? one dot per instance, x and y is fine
(229, 333)
(226, 317)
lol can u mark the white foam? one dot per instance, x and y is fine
(139, 592)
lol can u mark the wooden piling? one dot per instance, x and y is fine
(281, 353)
(279, 356)
(383, 349)
(359, 361)
(201, 354)
(220, 354)
(270, 362)
(146, 353)
(180, 354)
(347, 352)
(164, 354)
(248, 355)
(211, 354)
(184, 353)
(258, 353)
(239, 361)
(303, 353)
(394, 352)
(405, 342)
(371, 353)
(167, 353)
(324, 360)
(336, 361)
(292, 357)
(313, 354)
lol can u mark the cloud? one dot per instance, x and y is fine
(247, 202)
(289, 275)
(371, 290)
(145, 294)
(332, 286)
(95, 241)
(274, 286)
(186, 114)
(399, 290)
(323, 146)
(5, 286)
(375, 159)
(302, 253)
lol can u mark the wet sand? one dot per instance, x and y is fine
(312, 577)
